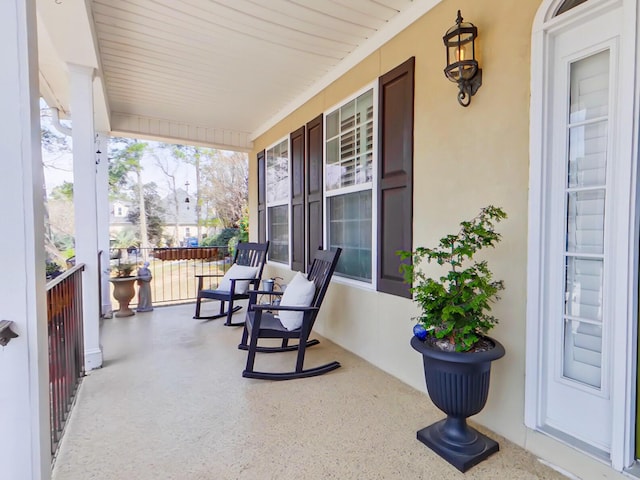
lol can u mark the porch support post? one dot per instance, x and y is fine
(86, 211)
(102, 195)
(25, 451)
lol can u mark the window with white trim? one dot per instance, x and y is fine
(349, 185)
(278, 199)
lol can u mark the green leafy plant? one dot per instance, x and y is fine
(52, 269)
(221, 239)
(124, 269)
(455, 306)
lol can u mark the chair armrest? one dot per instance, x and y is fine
(202, 276)
(287, 308)
(253, 296)
(265, 292)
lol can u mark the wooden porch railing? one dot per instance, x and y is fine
(185, 253)
(174, 270)
(66, 347)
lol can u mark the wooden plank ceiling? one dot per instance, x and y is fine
(225, 65)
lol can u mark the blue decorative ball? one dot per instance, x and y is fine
(419, 331)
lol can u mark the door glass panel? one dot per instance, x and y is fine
(590, 87)
(587, 155)
(568, 5)
(587, 131)
(585, 222)
(583, 291)
(583, 331)
(583, 352)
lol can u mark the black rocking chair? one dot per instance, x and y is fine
(247, 255)
(261, 322)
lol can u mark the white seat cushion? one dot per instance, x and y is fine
(238, 271)
(299, 293)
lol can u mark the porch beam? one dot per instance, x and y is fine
(150, 128)
(24, 361)
(86, 210)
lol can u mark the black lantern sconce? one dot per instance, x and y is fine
(187, 200)
(462, 66)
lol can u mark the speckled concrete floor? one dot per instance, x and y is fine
(170, 403)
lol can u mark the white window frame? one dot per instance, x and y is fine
(326, 194)
(278, 203)
(624, 222)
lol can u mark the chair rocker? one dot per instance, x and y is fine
(262, 322)
(252, 255)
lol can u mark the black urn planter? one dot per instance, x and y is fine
(458, 384)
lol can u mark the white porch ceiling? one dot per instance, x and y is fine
(214, 72)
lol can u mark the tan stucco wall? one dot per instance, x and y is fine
(464, 159)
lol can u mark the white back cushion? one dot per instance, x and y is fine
(238, 271)
(299, 293)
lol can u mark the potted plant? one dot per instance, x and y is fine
(123, 270)
(451, 335)
(123, 287)
(52, 270)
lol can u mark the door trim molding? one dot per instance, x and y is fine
(625, 225)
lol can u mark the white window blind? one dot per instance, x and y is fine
(348, 185)
(279, 233)
(350, 143)
(586, 191)
(350, 228)
(277, 186)
(278, 173)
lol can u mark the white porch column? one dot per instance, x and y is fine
(102, 196)
(24, 365)
(86, 211)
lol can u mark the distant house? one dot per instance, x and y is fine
(118, 217)
(180, 224)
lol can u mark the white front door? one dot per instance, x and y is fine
(583, 198)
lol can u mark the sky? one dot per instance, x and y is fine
(58, 167)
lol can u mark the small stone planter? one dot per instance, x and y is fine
(123, 292)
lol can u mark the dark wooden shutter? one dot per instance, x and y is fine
(262, 200)
(315, 141)
(395, 175)
(297, 200)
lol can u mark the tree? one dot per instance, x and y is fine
(194, 156)
(55, 145)
(59, 231)
(59, 212)
(64, 191)
(170, 174)
(226, 185)
(124, 159)
(153, 211)
(127, 158)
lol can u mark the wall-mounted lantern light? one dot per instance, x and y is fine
(462, 66)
